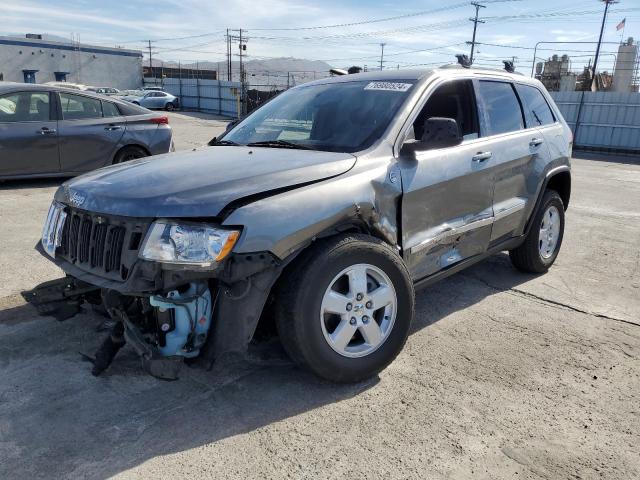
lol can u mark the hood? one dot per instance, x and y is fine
(198, 183)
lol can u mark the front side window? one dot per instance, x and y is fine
(24, 107)
(452, 100)
(340, 117)
(78, 107)
(499, 108)
(536, 108)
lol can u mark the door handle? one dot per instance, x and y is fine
(113, 127)
(536, 142)
(481, 156)
(46, 131)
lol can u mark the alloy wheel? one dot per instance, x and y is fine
(549, 232)
(358, 310)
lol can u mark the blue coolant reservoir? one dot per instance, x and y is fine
(191, 320)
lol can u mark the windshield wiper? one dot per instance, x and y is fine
(280, 144)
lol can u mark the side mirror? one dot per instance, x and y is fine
(440, 132)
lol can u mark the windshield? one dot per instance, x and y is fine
(339, 117)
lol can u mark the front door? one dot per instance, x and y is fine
(28, 134)
(88, 136)
(447, 199)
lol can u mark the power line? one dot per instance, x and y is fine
(366, 22)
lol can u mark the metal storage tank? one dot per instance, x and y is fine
(626, 66)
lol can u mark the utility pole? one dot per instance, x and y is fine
(595, 60)
(228, 56)
(475, 27)
(151, 64)
(382, 55)
(241, 70)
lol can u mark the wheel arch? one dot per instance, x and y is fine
(561, 183)
(557, 179)
(128, 145)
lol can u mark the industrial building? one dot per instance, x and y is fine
(556, 74)
(31, 59)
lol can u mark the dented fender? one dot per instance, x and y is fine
(368, 195)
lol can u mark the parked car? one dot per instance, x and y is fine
(154, 99)
(47, 131)
(105, 90)
(322, 211)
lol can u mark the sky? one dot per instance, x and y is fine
(342, 33)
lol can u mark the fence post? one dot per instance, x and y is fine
(575, 130)
(180, 84)
(219, 97)
(198, 84)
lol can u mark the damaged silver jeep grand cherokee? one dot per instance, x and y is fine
(320, 211)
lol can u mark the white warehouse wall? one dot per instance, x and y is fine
(86, 64)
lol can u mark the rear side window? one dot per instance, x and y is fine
(536, 108)
(110, 110)
(78, 107)
(24, 107)
(499, 108)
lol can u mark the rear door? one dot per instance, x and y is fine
(90, 131)
(515, 151)
(447, 192)
(28, 134)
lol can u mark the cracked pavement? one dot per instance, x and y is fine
(504, 374)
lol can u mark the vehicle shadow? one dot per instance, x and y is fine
(31, 183)
(58, 421)
(624, 159)
(200, 115)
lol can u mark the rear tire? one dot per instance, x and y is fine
(359, 342)
(542, 245)
(129, 153)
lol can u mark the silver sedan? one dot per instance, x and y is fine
(155, 99)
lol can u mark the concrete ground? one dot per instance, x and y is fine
(504, 375)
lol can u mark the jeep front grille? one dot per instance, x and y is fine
(100, 244)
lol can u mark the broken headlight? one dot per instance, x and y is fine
(188, 244)
(52, 230)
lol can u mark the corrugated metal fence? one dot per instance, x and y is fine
(605, 120)
(211, 96)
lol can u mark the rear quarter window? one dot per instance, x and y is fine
(499, 108)
(536, 109)
(110, 110)
(129, 109)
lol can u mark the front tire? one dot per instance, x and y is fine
(344, 308)
(542, 245)
(169, 107)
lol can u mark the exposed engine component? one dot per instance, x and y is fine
(184, 319)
